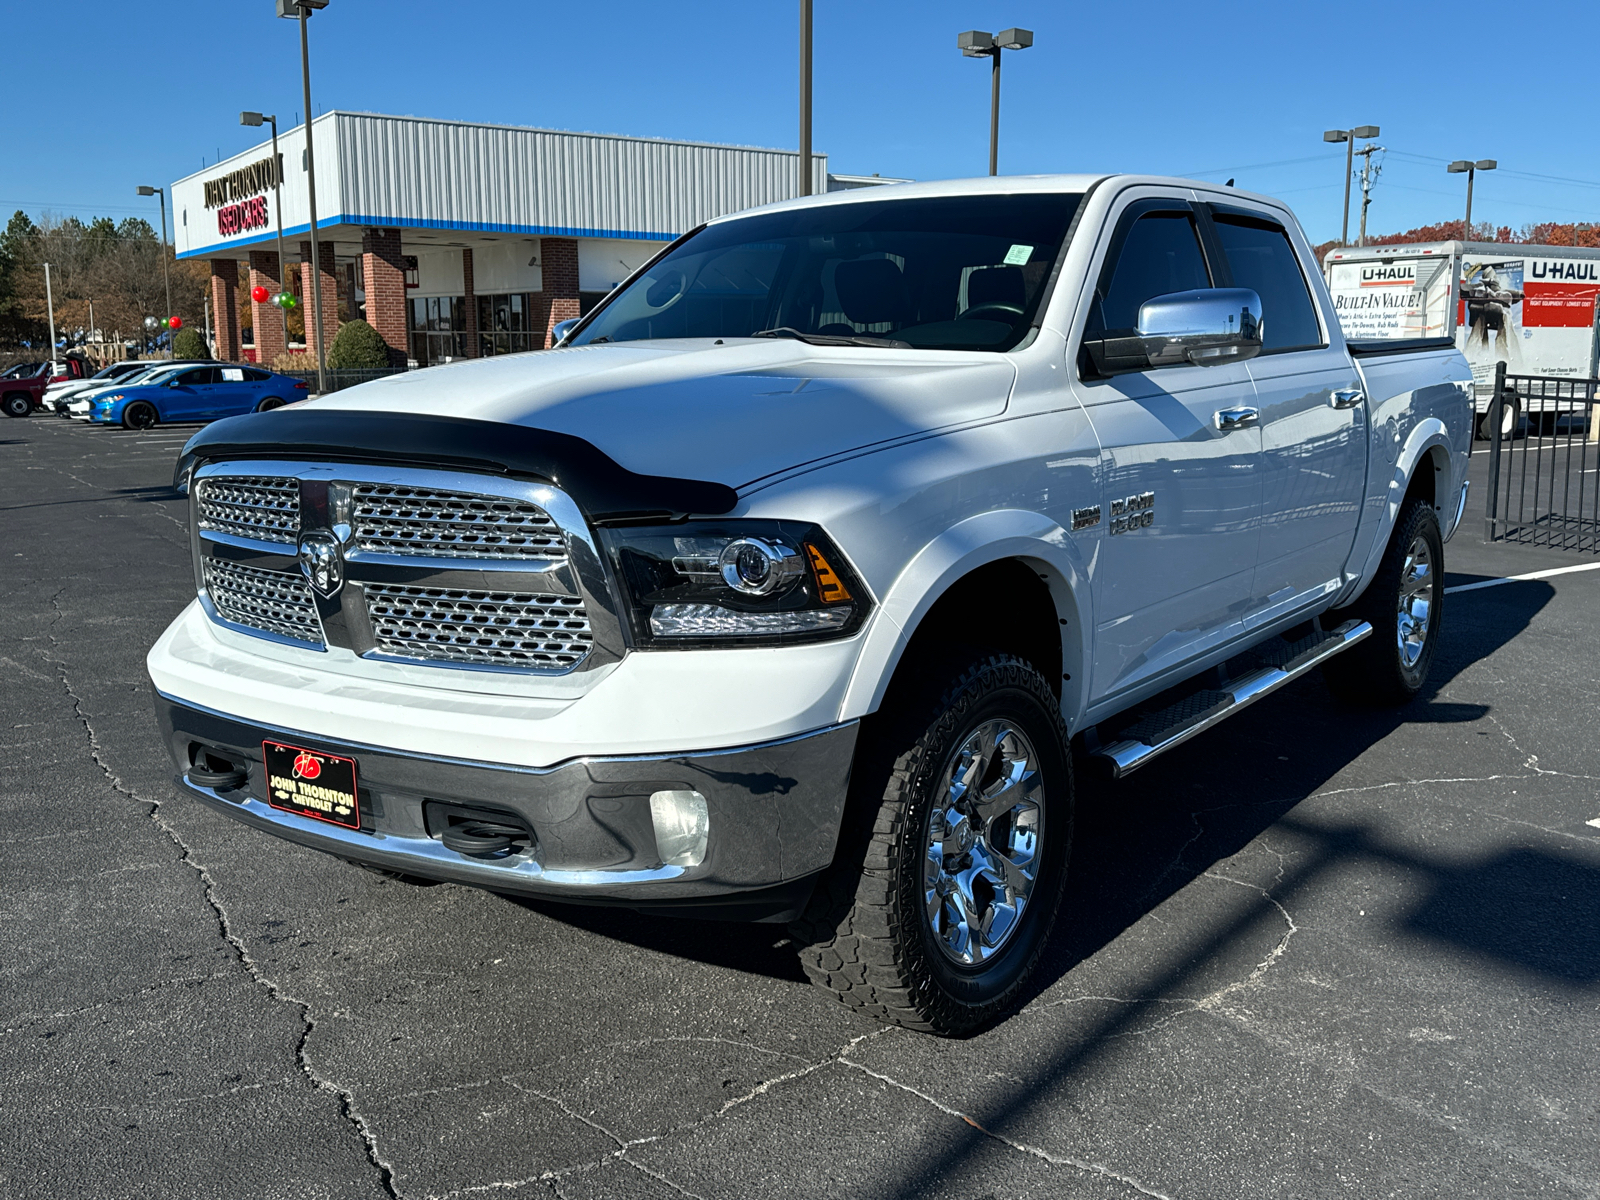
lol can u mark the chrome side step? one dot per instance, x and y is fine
(1161, 731)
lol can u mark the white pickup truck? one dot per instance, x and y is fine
(791, 584)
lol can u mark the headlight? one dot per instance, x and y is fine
(746, 583)
(108, 401)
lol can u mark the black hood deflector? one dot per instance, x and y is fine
(605, 490)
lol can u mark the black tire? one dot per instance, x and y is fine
(866, 935)
(1390, 666)
(139, 415)
(17, 404)
(1511, 414)
(270, 403)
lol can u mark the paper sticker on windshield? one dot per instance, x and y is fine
(1017, 256)
(232, 374)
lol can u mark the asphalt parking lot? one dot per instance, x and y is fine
(1316, 952)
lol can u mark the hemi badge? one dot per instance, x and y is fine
(1082, 518)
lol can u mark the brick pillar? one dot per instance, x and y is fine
(384, 270)
(225, 307)
(266, 319)
(330, 295)
(471, 301)
(559, 300)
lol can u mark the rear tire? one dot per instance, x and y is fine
(1510, 414)
(270, 403)
(17, 404)
(139, 415)
(952, 858)
(1404, 603)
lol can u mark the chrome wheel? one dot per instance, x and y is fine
(983, 845)
(1412, 620)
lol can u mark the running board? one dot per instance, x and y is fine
(1160, 731)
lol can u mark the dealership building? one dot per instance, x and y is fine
(453, 239)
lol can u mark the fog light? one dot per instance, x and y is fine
(682, 823)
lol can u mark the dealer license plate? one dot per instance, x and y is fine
(312, 783)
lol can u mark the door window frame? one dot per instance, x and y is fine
(1211, 207)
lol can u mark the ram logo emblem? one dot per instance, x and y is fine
(1133, 512)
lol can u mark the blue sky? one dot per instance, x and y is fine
(1177, 88)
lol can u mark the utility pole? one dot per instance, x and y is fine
(50, 307)
(1369, 176)
(1348, 137)
(805, 97)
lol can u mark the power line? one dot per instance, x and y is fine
(1282, 162)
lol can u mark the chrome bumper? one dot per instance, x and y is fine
(774, 812)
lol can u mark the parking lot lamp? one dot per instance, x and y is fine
(1470, 169)
(977, 44)
(50, 307)
(258, 119)
(1348, 136)
(300, 10)
(165, 277)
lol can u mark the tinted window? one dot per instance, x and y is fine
(1160, 255)
(254, 375)
(1263, 260)
(959, 272)
(198, 377)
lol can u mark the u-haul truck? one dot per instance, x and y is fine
(1530, 307)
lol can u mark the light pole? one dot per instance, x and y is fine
(165, 277)
(1349, 136)
(805, 97)
(1471, 169)
(257, 119)
(50, 307)
(301, 10)
(977, 44)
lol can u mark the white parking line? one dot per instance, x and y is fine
(1488, 583)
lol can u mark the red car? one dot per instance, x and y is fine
(23, 392)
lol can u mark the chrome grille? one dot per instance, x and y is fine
(395, 519)
(274, 601)
(526, 630)
(267, 510)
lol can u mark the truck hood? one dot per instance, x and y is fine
(733, 412)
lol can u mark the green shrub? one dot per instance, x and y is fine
(189, 344)
(357, 346)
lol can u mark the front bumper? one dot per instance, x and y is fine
(775, 811)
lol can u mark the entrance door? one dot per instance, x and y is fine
(1177, 585)
(1313, 423)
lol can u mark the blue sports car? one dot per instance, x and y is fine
(199, 393)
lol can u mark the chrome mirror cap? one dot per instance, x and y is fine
(560, 330)
(1206, 326)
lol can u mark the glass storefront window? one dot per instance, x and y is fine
(438, 325)
(503, 324)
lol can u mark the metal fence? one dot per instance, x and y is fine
(1544, 474)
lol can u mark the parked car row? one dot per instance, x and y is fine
(22, 387)
(141, 395)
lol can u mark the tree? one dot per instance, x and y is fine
(358, 346)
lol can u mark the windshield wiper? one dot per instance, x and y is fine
(832, 339)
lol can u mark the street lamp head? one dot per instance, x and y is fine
(1014, 39)
(146, 191)
(1486, 164)
(975, 43)
(1459, 166)
(1336, 135)
(1364, 131)
(292, 8)
(251, 118)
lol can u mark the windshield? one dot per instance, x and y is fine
(948, 273)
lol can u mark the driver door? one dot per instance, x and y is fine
(1180, 468)
(189, 395)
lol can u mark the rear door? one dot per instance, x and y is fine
(1313, 422)
(1180, 484)
(233, 393)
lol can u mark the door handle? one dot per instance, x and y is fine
(1346, 397)
(1235, 418)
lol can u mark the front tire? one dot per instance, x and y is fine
(953, 856)
(17, 404)
(139, 415)
(1404, 603)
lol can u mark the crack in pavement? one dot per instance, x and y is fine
(346, 1101)
(29, 1021)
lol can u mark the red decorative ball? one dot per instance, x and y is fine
(259, 294)
(175, 322)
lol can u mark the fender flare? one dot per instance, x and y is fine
(966, 546)
(1415, 452)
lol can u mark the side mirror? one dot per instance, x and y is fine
(1205, 327)
(561, 328)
